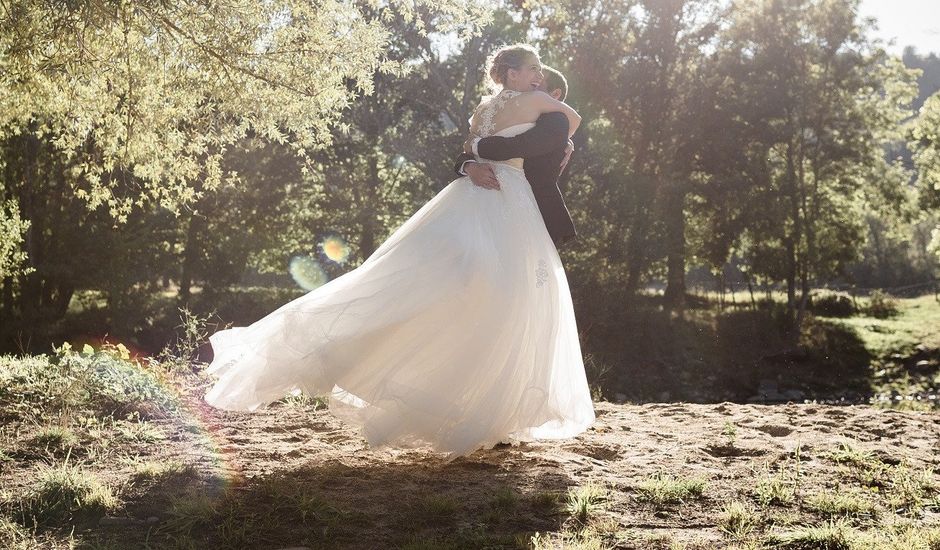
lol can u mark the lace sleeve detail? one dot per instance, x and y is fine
(488, 110)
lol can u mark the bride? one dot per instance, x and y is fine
(458, 332)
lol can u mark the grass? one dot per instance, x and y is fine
(302, 400)
(906, 490)
(160, 470)
(546, 503)
(437, 510)
(909, 490)
(835, 534)
(738, 519)
(81, 404)
(136, 430)
(840, 503)
(661, 489)
(66, 493)
(774, 489)
(914, 325)
(849, 453)
(505, 500)
(586, 500)
(189, 511)
(57, 440)
(839, 534)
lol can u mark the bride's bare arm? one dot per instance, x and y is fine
(474, 130)
(544, 103)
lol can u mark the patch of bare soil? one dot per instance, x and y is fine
(379, 497)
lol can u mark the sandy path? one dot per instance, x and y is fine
(625, 445)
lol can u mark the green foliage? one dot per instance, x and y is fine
(181, 354)
(925, 142)
(773, 489)
(738, 519)
(115, 384)
(14, 536)
(105, 382)
(882, 305)
(834, 534)
(832, 304)
(157, 93)
(12, 233)
(130, 137)
(55, 439)
(841, 504)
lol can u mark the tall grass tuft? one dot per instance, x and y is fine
(66, 493)
(841, 504)
(835, 534)
(737, 519)
(55, 439)
(585, 501)
(773, 489)
(661, 488)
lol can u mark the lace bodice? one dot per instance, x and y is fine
(486, 126)
(488, 109)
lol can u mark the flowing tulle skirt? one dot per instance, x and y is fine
(457, 333)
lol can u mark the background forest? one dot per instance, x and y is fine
(736, 157)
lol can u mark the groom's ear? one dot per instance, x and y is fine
(556, 93)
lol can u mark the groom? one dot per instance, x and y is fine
(546, 151)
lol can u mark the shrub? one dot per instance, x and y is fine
(882, 305)
(117, 386)
(105, 381)
(829, 303)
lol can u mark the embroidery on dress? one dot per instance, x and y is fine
(541, 274)
(488, 113)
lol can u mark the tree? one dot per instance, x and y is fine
(925, 142)
(133, 106)
(156, 92)
(638, 64)
(820, 104)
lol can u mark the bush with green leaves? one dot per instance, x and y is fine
(105, 381)
(882, 305)
(828, 303)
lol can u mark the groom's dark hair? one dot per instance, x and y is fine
(554, 80)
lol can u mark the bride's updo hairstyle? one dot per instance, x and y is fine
(505, 58)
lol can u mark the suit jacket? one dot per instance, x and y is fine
(543, 148)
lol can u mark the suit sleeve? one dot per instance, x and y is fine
(550, 133)
(464, 157)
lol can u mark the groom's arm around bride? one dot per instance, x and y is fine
(544, 148)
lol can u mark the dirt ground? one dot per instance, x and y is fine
(301, 445)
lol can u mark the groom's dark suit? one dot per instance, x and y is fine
(543, 148)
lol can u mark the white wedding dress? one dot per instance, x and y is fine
(457, 333)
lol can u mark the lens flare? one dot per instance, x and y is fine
(193, 423)
(307, 272)
(335, 248)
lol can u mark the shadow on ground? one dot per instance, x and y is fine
(471, 502)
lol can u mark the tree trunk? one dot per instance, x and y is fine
(637, 241)
(190, 255)
(675, 250)
(367, 236)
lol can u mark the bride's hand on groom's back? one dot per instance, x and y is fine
(482, 174)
